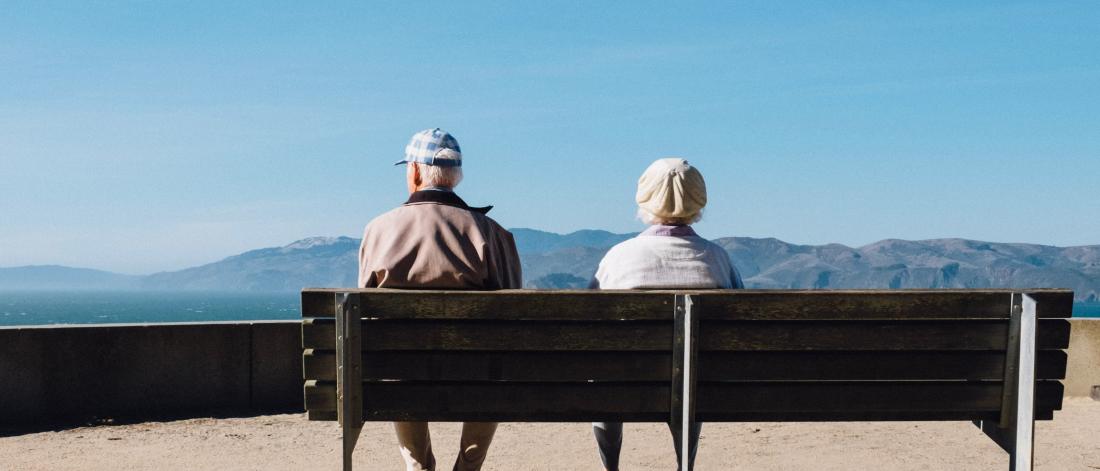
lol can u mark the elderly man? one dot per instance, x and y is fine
(436, 241)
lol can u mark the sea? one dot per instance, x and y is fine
(109, 307)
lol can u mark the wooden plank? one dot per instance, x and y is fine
(871, 335)
(825, 305)
(319, 303)
(1052, 303)
(506, 402)
(741, 401)
(496, 335)
(642, 366)
(655, 366)
(719, 304)
(853, 366)
(713, 335)
(508, 304)
(767, 401)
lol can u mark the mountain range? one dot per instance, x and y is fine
(568, 261)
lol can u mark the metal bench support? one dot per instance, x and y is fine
(686, 325)
(349, 379)
(1015, 432)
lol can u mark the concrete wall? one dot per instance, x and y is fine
(75, 374)
(1083, 368)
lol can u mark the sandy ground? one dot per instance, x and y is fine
(289, 442)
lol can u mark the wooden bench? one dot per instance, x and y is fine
(989, 356)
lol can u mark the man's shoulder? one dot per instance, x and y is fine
(420, 212)
(382, 219)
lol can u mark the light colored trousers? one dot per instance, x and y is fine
(416, 445)
(609, 437)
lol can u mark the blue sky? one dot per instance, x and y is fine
(148, 136)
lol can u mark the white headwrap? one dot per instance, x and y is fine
(672, 189)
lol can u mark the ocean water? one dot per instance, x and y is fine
(1086, 310)
(105, 307)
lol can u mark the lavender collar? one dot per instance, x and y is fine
(674, 231)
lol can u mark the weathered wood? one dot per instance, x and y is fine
(871, 335)
(854, 366)
(499, 366)
(503, 402)
(728, 401)
(719, 304)
(505, 304)
(762, 401)
(655, 366)
(1052, 303)
(713, 335)
(874, 304)
(499, 335)
(319, 302)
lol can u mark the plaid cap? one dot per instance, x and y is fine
(433, 147)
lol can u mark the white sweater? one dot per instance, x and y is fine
(668, 257)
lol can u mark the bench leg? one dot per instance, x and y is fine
(684, 350)
(349, 373)
(1015, 432)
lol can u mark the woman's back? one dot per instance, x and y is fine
(670, 257)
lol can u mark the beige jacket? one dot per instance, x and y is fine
(436, 241)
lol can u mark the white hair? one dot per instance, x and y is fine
(653, 220)
(435, 175)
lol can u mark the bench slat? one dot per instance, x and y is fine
(385, 401)
(499, 366)
(656, 366)
(764, 401)
(737, 401)
(872, 335)
(713, 304)
(863, 305)
(506, 304)
(487, 335)
(657, 335)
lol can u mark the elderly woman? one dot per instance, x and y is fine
(667, 255)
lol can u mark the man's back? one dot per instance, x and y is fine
(435, 241)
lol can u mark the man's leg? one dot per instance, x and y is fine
(693, 443)
(609, 438)
(474, 445)
(416, 445)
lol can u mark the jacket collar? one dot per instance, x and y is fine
(667, 230)
(446, 198)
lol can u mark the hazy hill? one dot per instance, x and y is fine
(937, 263)
(57, 277)
(316, 261)
(568, 261)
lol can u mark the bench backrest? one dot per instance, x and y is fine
(751, 355)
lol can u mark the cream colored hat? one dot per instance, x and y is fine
(672, 188)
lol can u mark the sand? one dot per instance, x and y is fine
(289, 442)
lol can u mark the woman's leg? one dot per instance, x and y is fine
(609, 438)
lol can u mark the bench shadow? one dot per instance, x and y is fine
(69, 423)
